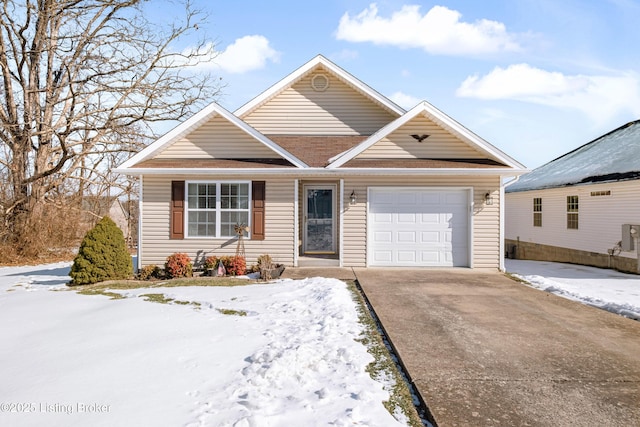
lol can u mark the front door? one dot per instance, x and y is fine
(319, 219)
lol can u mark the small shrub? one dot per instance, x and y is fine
(265, 261)
(237, 266)
(211, 262)
(178, 265)
(149, 272)
(103, 255)
(265, 265)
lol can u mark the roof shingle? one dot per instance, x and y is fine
(316, 150)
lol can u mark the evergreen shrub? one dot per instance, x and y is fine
(103, 255)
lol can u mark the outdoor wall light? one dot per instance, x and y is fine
(488, 200)
(353, 197)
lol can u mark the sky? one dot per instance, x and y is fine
(535, 78)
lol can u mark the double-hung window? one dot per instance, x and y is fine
(572, 212)
(537, 211)
(215, 208)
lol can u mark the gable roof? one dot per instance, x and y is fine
(305, 69)
(437, 116)
(324, 152)
(614, 156)
(195, 122)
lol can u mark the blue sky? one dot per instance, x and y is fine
(535, 78)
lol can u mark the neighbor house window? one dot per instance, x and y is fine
(537, 212)
(214, 208)
(572, 212)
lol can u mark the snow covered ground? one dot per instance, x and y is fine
(606, 289)
(76, 360)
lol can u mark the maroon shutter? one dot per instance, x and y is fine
(257, 210)
(177, 210)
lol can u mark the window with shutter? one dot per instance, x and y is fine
(212, 209)
(257, 212)
(176, 225)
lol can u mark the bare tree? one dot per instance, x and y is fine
(82, 83)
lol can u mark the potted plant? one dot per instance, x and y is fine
(210, 264)
(268, 269)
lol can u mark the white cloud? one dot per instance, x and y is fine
(247, 53)
(599, 97)
(405, 101)
(439, 31)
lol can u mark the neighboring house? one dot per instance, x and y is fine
(573, 208)
(321, 167)
(123, 212)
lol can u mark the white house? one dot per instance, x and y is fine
(321, 167)
(574, 209)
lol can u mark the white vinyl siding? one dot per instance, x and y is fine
(217, 139)
(338, 110)
(600, 218)
(439, 145)
(279, 206)
(154, 224)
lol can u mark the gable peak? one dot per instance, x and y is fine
(319, 62)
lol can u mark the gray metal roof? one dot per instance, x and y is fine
(611, 157)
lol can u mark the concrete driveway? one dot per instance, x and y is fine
(483, 350)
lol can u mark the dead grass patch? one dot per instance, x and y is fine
(384, 366)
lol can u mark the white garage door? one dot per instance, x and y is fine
(418, 227)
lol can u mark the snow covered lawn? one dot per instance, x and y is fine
(284, 354)
(607, 289)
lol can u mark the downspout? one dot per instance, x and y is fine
(296, 219)
(139, 248)
(341, 224)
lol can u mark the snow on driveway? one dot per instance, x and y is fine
(76, 360)
(606, 289)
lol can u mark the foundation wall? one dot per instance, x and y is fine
(516, 249)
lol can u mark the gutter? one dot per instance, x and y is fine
(320, 171)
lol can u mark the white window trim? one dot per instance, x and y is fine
(217, 210)
(576, 213)
(537, 212)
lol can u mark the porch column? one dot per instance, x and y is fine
(341, 222)
(296, 222)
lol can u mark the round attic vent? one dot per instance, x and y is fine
(320, 82)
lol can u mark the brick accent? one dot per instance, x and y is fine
(538, 252)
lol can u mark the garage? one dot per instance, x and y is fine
(419, 227)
